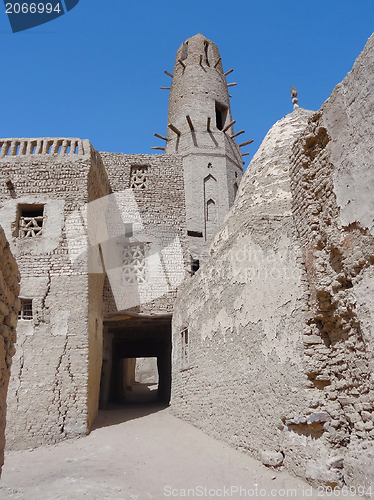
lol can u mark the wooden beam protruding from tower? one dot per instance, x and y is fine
(228, 72)
(208, 124)
(161, 136)
(245, 143)
(174, 129)
(182, 63)
(237, 133)
(156, 147)
(188, 118)
(167, 73)
(165, 88)
(232, 84)
(245, 154)
(229, 126)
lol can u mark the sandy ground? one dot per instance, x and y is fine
(142, 452)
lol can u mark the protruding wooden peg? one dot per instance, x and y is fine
(208, 124)
(217, 63)
(228, 72)
(160, 136)
(228, 126)
(245, 154)
(232, 84)
(165, 88)
(182, 63)
(245, 143)
(156, 147)
(188, 118)
(167, 73)
(237, 133)
(174, 129)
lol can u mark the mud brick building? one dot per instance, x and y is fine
(253, 294)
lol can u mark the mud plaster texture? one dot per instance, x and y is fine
(279, 351)
(9, 307)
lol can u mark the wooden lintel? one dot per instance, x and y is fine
(160, 136)
(188, 118)
(229, 126)
(245, 143)
(174, 129)
(236, 135)
(217, 63)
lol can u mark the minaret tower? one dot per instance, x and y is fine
(200, 129)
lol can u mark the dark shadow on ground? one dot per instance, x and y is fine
(119, 413)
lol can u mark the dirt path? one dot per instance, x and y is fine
(141, 453)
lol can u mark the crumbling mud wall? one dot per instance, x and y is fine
(9, 307)
(295, 358)
(46, 185)
(237, 324)
(333, 205)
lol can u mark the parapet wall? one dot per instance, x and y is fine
(9, 307)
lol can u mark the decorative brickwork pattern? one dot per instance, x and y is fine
(138, 177)
(133, 270)
(30, 227)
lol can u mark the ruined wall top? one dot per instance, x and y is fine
(44, 146)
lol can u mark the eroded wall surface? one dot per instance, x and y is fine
(53, 391)
(9, 306)
(333, 184)
(241, 369)
(283, 367)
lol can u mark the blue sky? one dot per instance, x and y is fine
(96, 72)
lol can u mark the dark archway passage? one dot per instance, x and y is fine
(127, 338)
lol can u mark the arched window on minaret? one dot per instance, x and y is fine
(211, 211)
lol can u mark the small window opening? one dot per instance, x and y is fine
(206, 45)
(211, 211)
(221, 113)
(129, 231)
(30, 221)
(138, 177)
(76, 149)
(195, 264)
(185, 354)
(195, 234)
(235, 189)
(26, 309)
